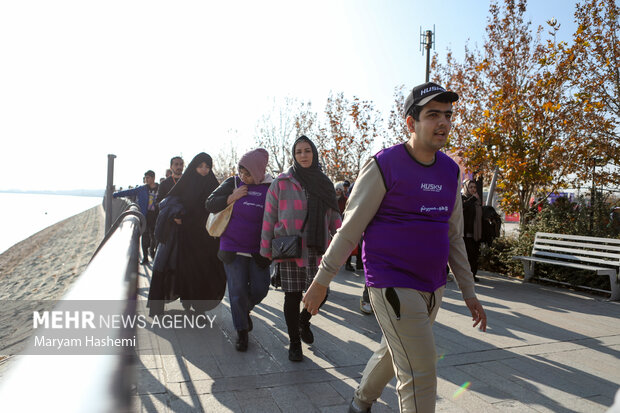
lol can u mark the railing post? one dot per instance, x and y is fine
(108, 193)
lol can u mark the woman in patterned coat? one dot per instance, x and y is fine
(301, 201)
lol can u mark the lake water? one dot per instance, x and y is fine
(22, 215)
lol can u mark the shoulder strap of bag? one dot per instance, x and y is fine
(307, 212)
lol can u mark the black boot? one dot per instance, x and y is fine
(348, 265)
(250, 323)
(295, 353)
(304, 327)
(242, 340)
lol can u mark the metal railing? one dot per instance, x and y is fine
(86, 383)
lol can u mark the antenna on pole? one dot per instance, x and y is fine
(427, 40)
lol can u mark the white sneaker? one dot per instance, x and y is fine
(365, 307)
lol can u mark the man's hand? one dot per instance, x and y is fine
(314, 297)
(178, 221)
(477, 313)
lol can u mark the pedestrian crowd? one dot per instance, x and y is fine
(402, 222)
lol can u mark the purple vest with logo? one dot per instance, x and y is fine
(243, 231)
(406, 244)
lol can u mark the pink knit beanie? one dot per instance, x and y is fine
(255, 162)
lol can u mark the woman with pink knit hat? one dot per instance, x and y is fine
(247, 272)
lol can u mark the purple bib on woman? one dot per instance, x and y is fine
(406, 244)
(246, 222)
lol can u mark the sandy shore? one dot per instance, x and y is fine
(43, 266)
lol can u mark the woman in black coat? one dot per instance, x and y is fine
(189, 267)
(472, 222)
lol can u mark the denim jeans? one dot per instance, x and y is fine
(248, 284)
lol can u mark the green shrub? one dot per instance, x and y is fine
(497, 257)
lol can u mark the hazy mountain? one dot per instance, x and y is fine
(75, 192)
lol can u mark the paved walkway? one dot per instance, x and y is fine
(546, 350)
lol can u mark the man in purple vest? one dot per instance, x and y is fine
(406, 203)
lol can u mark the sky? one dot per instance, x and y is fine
(147, 80)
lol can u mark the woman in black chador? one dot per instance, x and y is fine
(186, 264)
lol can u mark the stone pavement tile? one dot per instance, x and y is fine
(447, 360)
(513, 406)
(472, 385)
(603, 400)
(245, 363)
(145, 340)
(447, 406)
(452, 341)
(576, 362)
(198, 387)
(587, 405)
(507, 382)
(150, 381)
(339, 346)
(465, 399)
(600, 362)
(335, 409)
(343, 408)
(165, 342)
(266, 380)
(549, 347)
(345, 387)
(292, 399)
(203, 367)
(174, 369)
(149, 361)
(152, 403)
(610, 341)
(547, 394)
(199, 343)
(219, 403)
(557, 378)
(256, 401)
(322, 394)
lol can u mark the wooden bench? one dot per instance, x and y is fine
(587, 253)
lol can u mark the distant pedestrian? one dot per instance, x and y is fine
(247, 272)
(472, 224)
(347, 188)
(145, 196)
(176, 171)
(302, 202)
(365, 306)
(406, 203)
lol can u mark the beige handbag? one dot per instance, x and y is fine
(217, 223)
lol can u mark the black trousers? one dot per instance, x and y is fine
(294, 319)
(473, 253)
(148, 237)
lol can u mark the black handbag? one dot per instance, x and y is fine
(287, 247)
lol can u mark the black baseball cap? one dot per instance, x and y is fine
(424, 93)
(150, 173)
